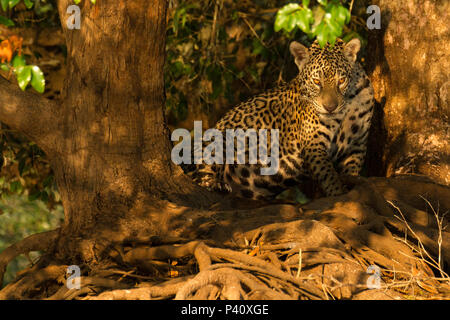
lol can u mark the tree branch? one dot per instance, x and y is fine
(30, 113)
(35, 242)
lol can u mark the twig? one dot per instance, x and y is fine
(253, 31)
(419, 242)
(439, 222)
(351, 6)
(299, 262)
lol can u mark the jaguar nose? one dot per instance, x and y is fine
(330, 107)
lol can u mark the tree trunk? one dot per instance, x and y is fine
(107, 142)
(410, 70)
(114, 157)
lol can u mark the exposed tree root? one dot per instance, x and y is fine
(36, 242)
(321, 250)
(31, 281)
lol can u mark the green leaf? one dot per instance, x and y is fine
(15, 186)
(48, 181)
(4, 4)
(349, 15)
(342, 15)
(76, 1)
(12, 3)
(321, 33)
(177, 69)
(334, 28)
(21, 165)
(331, 39)
(34, 195)
(309, 14)
(44, 196)
(93, 1)
(28, 4)
(290, 23)
(318, 28)
(284, 19)
(42, 9)
(38, 80)
(279, 23)
(23, 74)
(327, 17)
(183, 20)
(258, 48)
(18, 61)
(293, 15)
(7, 22)
(4, 67)
(179, 15)
(303, 21)
(289, 8)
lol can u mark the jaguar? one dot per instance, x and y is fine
(323, 116)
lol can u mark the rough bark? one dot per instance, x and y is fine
(114, 157)
(107, 141)
(30, 114)
(410, 70)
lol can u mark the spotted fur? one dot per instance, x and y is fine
(323, 116)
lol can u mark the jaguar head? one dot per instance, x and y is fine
(325, 73)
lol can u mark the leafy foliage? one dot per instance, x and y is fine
(219, 54)
(326, 21)
(78, 1)
(222, 52)
(11, 56)
(20, 218)
(26, 74)
(40, 8)
(25, 169)
(293, 15)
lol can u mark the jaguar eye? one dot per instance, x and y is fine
(341, 81)
(317, 81)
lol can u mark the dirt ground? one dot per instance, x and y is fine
(385, 239)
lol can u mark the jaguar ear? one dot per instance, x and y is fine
(299, 52)
(351, 49)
